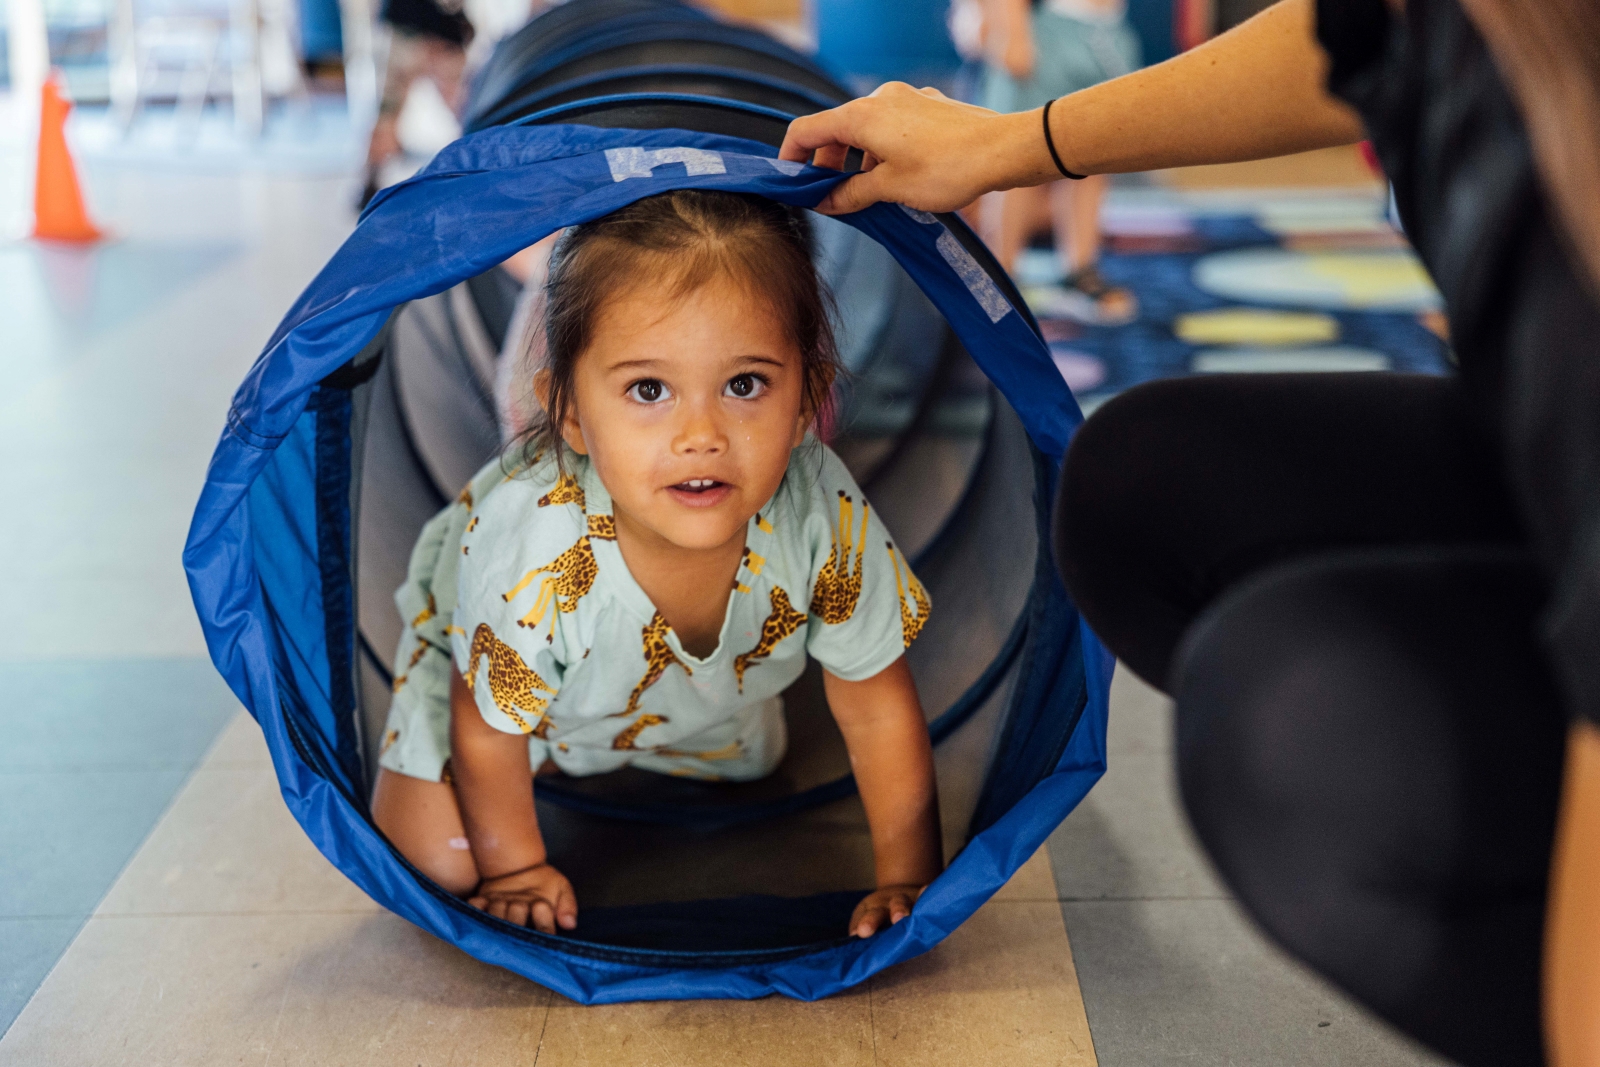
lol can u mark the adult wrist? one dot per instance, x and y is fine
(1021, 154)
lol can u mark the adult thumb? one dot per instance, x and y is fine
(854, 193)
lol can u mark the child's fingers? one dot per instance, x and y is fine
(566, 908)
(477, 902)
(868, 920)
(517, 912)
(899, 907)
(544, 917)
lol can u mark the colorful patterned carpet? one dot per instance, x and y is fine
(1300, 282)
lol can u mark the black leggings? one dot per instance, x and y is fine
(1327, 574)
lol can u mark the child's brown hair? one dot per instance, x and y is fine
(692, 235)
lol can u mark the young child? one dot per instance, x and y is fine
(643, 581)
(1037, 51)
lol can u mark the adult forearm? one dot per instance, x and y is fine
(1572, 937)
(1254, 92)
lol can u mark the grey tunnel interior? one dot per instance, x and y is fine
(938, 452)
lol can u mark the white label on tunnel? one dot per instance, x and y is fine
(628, 163)
(924, 217)
(976, 279)
(786, 166)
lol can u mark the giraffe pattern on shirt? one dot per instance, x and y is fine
(512, 683)
(910, 625)
(781, 624)
(658, 656)
(625, 740)
(567, 578)
(565, 491)
(838, 587)
(416, 658)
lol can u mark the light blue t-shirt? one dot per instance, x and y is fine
(560, 643)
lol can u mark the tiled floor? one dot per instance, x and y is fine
(116, 364)
(1172, 972)
(225, 937)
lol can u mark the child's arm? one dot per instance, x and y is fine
(1012, 36)
(494, 787)
(884, 728)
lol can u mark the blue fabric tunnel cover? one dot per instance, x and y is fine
(268, 562)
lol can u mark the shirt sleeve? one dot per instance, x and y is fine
(866, 605)
(426, 603)
(509, 664)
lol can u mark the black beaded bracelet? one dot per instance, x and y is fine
(1050, 143)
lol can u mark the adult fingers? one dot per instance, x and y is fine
(831, 156)
(856, 192)
(808, 133)
(544, 917)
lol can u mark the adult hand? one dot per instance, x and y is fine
(922, 149)
(885, 907)
(540, 897)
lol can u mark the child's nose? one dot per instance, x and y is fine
(700, 433)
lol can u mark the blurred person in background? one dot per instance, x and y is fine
(1035, 51)
(428, 39)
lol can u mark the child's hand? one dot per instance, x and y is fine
(540, 897)
(885, 907)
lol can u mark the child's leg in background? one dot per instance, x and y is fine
(407, 58)
(1010, 219)
(1075, 216)
(1075, 211)
(444, 62)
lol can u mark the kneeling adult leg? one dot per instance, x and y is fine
(1370, 748)
(1176, 489)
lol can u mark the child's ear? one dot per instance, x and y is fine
(572, 430)
(569, 429)
(572, 433)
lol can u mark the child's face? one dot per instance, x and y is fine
(688, 415)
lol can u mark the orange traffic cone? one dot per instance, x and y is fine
(58, 211)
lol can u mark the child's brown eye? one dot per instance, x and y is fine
(745, 386)
(648, 391)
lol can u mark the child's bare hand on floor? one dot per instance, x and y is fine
(539, 896)
(883, 908)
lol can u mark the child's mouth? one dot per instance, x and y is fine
(700, 492)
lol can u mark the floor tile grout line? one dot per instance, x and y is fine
(251, 914)
(544, 1025)
(1135, 900)
(872, 1019)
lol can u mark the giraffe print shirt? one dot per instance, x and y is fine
(521, 585)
